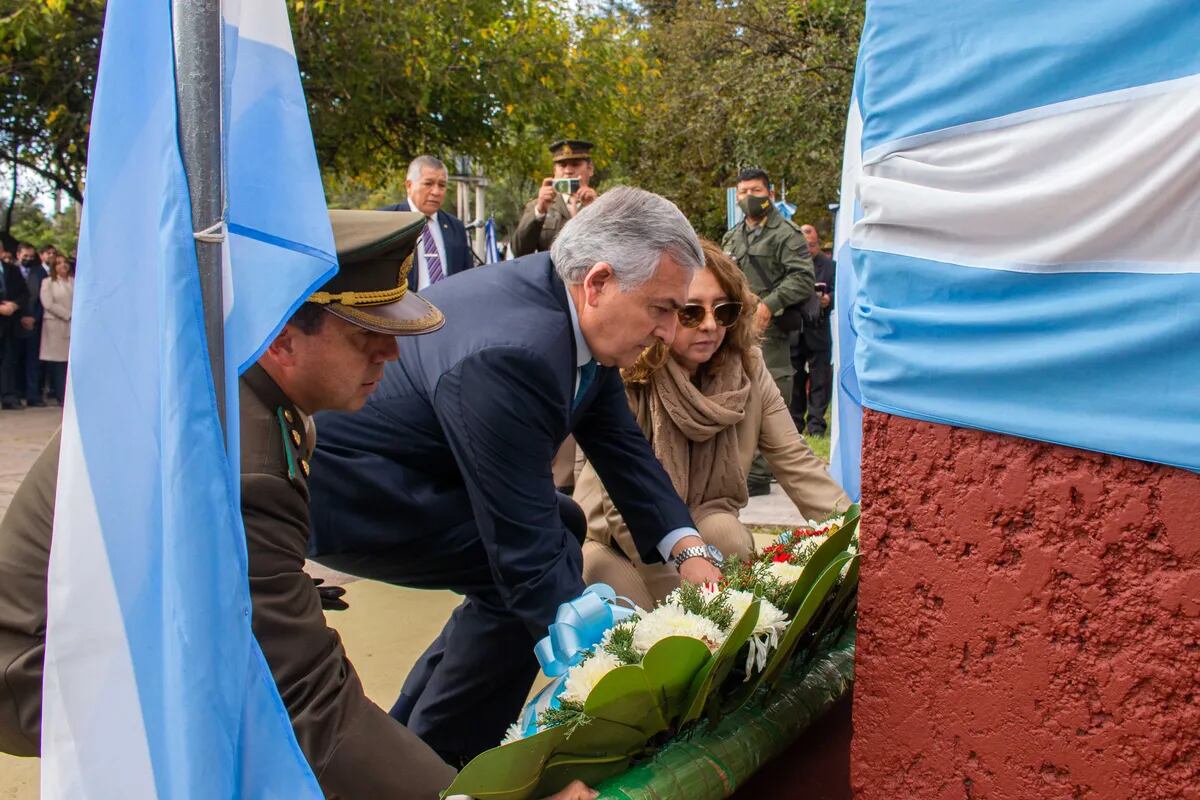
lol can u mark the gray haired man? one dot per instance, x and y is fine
(443, 480)
(443, 249)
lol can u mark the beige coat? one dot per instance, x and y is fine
(56, 323)
(768, 427)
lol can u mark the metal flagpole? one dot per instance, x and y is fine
(198, 59)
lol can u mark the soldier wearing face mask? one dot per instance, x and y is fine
(771, 251)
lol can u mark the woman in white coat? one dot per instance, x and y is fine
(57, 294)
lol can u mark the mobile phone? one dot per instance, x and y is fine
(566, 185)
(821, 287)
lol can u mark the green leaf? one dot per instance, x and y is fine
(625, 696)
(740, 695)
(561, 770)
(713, 674)
(671, 666)
(824, 555)
(511, 772)
(804, 616)
(839, 609)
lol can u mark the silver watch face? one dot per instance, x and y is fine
(716, 555)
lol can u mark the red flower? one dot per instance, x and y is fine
(781, 558)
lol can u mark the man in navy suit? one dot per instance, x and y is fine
(443, 249)
(443, 479)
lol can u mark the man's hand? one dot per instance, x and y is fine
(825, 300)
(545, 197)
(8, 308)
(695, 570)
(762, 318)
(585, 196)
(27, 323)
(577, 790)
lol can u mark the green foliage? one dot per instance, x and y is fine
(49, 50)
(568, 714)
(620, 644)
(746, 83)
(691, 599)
(741, 575)
(30, 224)
(495, 79)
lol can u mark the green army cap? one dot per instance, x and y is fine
(571, 149)
(375, 253)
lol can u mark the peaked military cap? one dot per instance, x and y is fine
(570, 149)
(375, 253)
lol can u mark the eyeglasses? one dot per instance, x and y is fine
(692, 315)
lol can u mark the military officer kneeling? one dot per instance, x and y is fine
(330, 355)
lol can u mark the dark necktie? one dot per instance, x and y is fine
(587, 374)
(433, 262)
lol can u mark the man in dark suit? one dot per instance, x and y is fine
(443, 249)
(24, 284)
(814, 348)
(9, 309)
(443, 479)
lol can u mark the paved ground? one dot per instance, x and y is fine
(384, 631)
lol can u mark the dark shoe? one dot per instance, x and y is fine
(11, 405)
(758, 489)
(36, 404)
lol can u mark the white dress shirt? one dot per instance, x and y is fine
(583, 354)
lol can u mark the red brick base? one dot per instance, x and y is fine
(1029, 621)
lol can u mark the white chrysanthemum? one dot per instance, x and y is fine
(582, 678)
(784, 572)
(515, 733)
(671, 620)
(833, 523)
(772, 622)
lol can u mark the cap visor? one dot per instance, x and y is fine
(411, 315)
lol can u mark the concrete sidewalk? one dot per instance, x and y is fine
(384, 631)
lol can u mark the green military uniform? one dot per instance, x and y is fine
(535, 234)
(776, 248)
(355, 749)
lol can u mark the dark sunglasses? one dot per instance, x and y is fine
(692, 315)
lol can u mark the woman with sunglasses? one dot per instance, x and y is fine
(706, 404)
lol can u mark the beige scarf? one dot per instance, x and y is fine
(692, 432)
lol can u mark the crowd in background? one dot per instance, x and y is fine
(37, 288)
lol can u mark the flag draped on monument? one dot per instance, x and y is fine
(154, 684)
(1026, 246)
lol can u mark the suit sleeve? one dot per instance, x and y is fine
(803, 476)
(529, 230)
(459, 231)
(504, 447)
(355, 749)
(635, 480)
(797, 281)
(18, 292)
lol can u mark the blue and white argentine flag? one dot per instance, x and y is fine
(1026, 235)
(154, 685)
(491, 246)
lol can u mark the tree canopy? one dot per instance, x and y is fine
(678, 94)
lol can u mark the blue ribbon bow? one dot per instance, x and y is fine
(578, 626)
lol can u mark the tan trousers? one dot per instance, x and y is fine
(647, 584)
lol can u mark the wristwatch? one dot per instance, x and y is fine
(707, 552)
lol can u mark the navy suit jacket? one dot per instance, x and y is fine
(454, 235)
(454, 447)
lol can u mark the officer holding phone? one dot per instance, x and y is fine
(559, 198)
